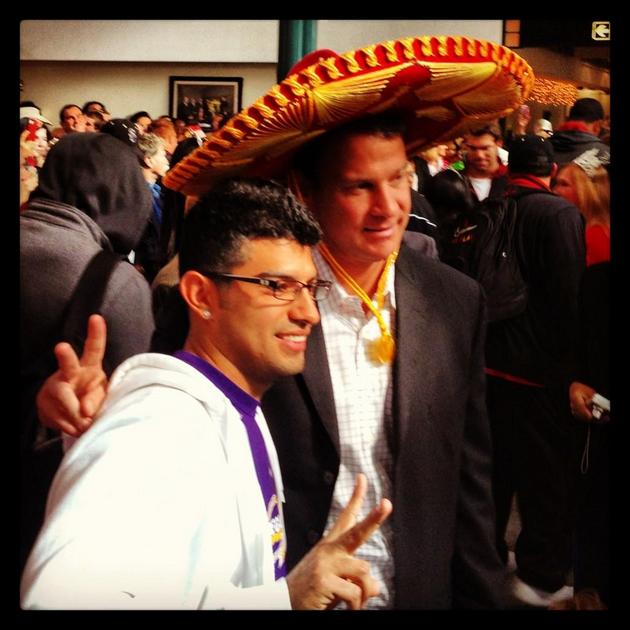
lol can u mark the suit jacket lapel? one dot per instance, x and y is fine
(316, 376)
(412, 365)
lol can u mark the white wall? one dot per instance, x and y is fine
(126, 64)
(212, 41)
(125, 88)
(342, 35)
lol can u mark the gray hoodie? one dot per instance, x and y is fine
(91, 196)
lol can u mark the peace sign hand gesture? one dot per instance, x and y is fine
(69, 399)
(329, 573)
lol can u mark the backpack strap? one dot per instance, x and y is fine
(41, 451)
(88, 297)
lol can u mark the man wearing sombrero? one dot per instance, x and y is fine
(393, 384)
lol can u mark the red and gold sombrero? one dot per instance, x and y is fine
(442, 84)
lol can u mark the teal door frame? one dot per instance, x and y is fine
(297, 38)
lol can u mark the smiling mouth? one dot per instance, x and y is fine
(296, 343)
(380, 231)
(294, 338)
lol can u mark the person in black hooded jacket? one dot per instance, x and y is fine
(91, 196)
(581, 133)
(530, 360)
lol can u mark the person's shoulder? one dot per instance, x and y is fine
(162, 381)
(423, 271)
(421, 242)
(544, 202)
(125, 277)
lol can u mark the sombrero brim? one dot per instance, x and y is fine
(442, 84)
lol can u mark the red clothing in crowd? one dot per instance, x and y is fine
(597, 244)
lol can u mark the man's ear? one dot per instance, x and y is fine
(554, 170)
(199, 292)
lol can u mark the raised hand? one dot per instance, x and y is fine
(69, 399)
(329, 573)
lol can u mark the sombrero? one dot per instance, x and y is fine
(441, 84)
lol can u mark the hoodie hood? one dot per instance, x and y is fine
(150, 368)
(571, 143)
(569, 139)
(99, 175)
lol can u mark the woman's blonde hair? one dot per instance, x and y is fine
(592, 192)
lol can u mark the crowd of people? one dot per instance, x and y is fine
(294, 396)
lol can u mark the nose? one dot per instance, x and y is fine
(385, 201)
(304, 308)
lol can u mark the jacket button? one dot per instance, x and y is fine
(329, 478)
(312, 536)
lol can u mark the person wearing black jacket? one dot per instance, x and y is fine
(530, 359)
(581, 133)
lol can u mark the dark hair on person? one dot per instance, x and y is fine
(63, 110)
(587, 110)
(449, 195)
(310, 158)
(89, 104)
(490, 128)
(97, 117)
(137, 115)
(234, 211)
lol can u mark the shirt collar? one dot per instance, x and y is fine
(324, 272)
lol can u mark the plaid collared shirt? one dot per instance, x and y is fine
(362, 392)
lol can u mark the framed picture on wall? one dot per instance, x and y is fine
(208, 101)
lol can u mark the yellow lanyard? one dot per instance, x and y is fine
(384, 348)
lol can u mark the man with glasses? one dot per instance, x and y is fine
(174, 498)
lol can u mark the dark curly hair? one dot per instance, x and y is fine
(236, 210)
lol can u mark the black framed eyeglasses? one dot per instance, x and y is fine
(285, 289)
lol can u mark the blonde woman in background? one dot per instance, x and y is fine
(585, 183)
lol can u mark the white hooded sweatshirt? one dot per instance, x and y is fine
(158, 505)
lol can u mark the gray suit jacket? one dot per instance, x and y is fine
(443, 519)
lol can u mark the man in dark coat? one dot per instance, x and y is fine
(530, 359)
(431, 451)
(581, 133)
